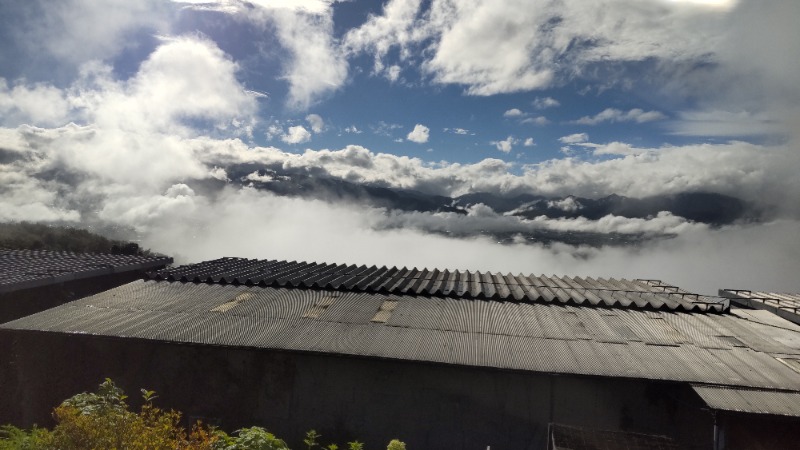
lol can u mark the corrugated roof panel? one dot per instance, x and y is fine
(357, 308)
(754, 401)
(613, 293)
(555, 337)
(785, 305)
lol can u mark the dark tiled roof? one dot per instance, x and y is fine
(640, 294)
(22, 269)
(784, 305)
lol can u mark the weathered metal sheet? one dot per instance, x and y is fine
(541, 337)
(783, 304)
(483, 285)
(754, 401)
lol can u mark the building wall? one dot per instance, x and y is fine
(344, 398)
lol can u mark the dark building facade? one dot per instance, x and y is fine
(438, 359)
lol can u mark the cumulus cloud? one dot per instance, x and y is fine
(545, 102)
(514, 112)
(395, 27)
(296, 135)
(37, 105)
(506, 144)
(460, 131)
(518, 46)
(316, 123)
(615, 115)
(316, 66)
(529, 142)
(137, 152)
(574, 138)
(568, 204)
(419, 134)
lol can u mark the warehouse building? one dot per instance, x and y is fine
(439, 359)
(35, 280)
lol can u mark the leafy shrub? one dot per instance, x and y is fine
(396, 444)
(102, 420)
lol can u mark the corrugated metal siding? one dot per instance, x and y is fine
(755, 401)
(23, 269)
(539, 337)
(785, 305)
(648, 294)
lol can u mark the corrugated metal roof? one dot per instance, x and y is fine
(755, 401)
(23, 269)
(529, 336)
(784, 305)
(644, 294)
(563, 437)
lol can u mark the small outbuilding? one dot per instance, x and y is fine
(440, 359)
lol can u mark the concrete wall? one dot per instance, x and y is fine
(428, 406)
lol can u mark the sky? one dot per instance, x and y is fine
(122, 114)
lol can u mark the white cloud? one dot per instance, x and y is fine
(615, 115)
(460, 131)
(614, 148)
(316, 122)
(316, 65)
(538, 120)
(78, 31)
(419, 134)
(574, 138)
(393, 73)
(725, 123)
(699, 259)
(506, 144)
(395, 27)
(545, 102)
(529, 142)
(296, 135)
(514, 112)
(353, 130)
(520, 46)
(274, 131)
(36, 105)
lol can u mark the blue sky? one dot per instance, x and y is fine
(645, 85)
(121, 114)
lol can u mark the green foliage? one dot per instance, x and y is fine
(108, 399)
(13, 438)
(37, 236)
(102, 420)
(396, 444)
(311, 439)
(253, 438)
